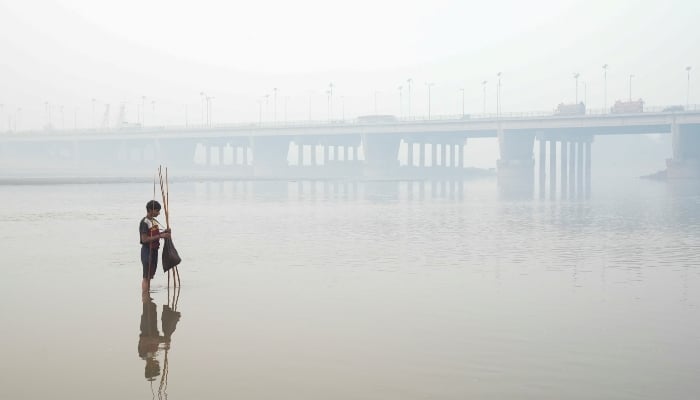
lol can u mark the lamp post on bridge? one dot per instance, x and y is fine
(687, 96)
(375, 102)
(274, 106)
(203, 97)
(498, 95)
(462, 90)
(409, 80)
(143, 111)
(605, 88)
(400, 88)
(631, 76)
(483, 84)
(576, 75)
(330, 101)
(429, 86)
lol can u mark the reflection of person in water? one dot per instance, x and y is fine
(149, 338)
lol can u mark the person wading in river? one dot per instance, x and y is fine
(150, 235)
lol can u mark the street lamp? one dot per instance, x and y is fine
(631, 76)
(209, 111)
(605, 88)
(498, 94)
(260, 111)
(429, 85)
(462, 90)
(330, 101)
(342, 105)
(400, 101)
(576, 75)
(274, 107)
(203, 96)
(409, 80)
(483, 84)
(48, 115)
(93, 113)
(375, 102)
(143, 111)
(328, 104)
(687, 96)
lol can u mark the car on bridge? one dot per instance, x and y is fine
(570, 109)
(628, 107)
(373, 119)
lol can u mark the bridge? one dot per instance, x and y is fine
(363, 148)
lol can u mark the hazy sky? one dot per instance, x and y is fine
(66, 52)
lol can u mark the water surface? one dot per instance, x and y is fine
(351, 290)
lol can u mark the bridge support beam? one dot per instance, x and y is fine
(685, 163)
(270, 156)
(574, 165)
(381, 154)
(516, 165)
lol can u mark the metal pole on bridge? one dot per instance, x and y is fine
(605, 88)
(687, 96)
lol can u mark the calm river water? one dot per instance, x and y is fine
(342, 290)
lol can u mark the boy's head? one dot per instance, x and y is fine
(152, 206)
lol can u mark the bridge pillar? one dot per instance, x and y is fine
(579, 169)
(458, 156)
(552, 168)
(314, 149)
(421, 148)
(443, 158)
(543, 158)
(516, 165)
(572, 168)
(433, 155)
(686, 152)
(409, 154)
(564, 163)
(300, 154)
(588, 168)
(270, 155)
(381, 154)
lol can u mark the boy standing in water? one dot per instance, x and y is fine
(150, 233)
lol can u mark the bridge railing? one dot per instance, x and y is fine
(355, 121)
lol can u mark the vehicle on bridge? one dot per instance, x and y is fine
(628, 107)
(570, 109)
(673, 108)
(373, 119)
